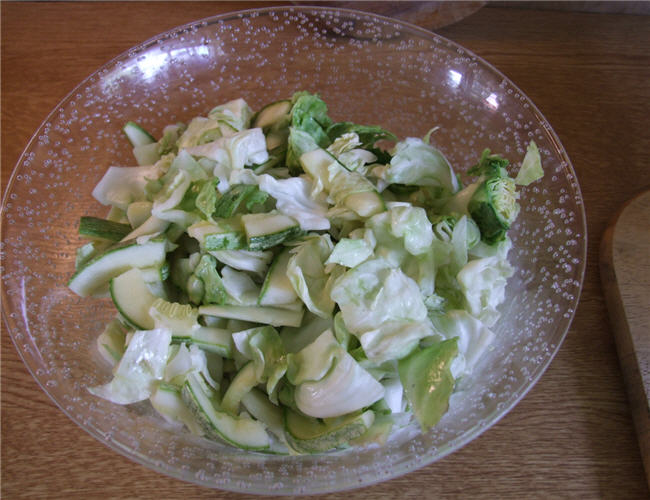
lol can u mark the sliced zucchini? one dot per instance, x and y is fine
(168, 401)
(216, 340)
(239, 195)
(244, 433)
(133, 299)
(276, 140)
(277, 289)
(146, 154)
(311, 435)
(268, 315)
(225, 234)
(94, 227)
(243, 382)
(271, 114)
(88, 251)
(137, 135)
(316, 164)
(114, 261)
(153, 225)
(258, 405)
(268, 230)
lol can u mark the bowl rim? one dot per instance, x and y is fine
(402, 468)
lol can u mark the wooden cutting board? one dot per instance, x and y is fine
(625, 275)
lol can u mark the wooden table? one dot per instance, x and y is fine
(571, 436)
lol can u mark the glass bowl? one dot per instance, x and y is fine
(369, 69)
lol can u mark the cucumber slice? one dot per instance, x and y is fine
(258, 405)
(216, 340)
(88, 251)
(243, 382)
(244, 433)
(94, 227)
(181, 319)
(267, 315)
(366, 204)
(239, 195)
(146, 154)
(137, 135)
(226, 234)
(268, 230)
(316, 164)
(168, 401)
(310, 435)
(153, 225)
(133, 299)
(271, 114)
(277, 289)
(276, 139)
(114, 261)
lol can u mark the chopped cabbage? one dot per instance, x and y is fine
(357, 323)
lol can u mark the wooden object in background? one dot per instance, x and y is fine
(625, 273)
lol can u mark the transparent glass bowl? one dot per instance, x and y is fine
(369, 69)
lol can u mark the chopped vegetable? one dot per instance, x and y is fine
(286, 283)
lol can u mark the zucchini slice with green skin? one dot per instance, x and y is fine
(167, 400)
(244, 433)
(94, 227)
(277, 289)
(269, 315)
(242, 383)
(133, 299)
(238, 198)
(271, 114)
(225, 234)
(99, 270)
(137, 135)
(146, 154)
(268, 230)
(257, 404)
(216, 340)
(276, 139)
(310, 435)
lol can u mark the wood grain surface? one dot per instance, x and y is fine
(625, 274)
(571, 436)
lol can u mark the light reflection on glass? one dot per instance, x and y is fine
(455, 78)
(491, 100)
(154, 60)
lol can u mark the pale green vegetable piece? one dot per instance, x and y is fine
(427, 381)
(375, 292)
(415, 162)
(351, 252)
(394, 339)
(483, 282)
(472, 335)
(142, 365)
(346, 387)
(264, 347)
(531, 167)
(293, 199)
(306, 271)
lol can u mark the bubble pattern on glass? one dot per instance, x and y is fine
(368, 69)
